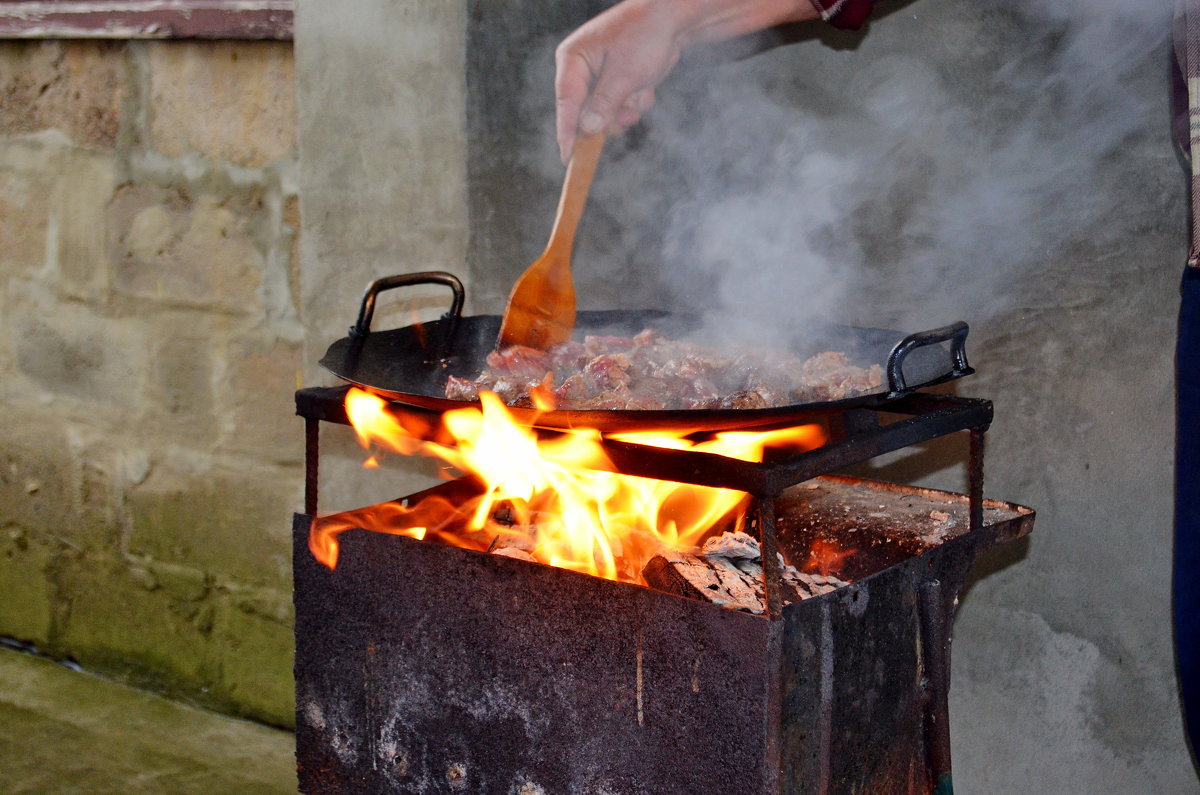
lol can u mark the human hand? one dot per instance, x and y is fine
(608, 69)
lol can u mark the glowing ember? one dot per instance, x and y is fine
(546, 496)
(826, 557)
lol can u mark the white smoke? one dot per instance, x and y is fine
(916, 179)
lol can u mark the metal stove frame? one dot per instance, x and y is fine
(926, 586)
(858, 437)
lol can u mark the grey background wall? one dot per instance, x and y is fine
(961, 158)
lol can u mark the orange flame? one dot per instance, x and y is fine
(550, 497)
(826, 557)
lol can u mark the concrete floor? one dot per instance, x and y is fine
(62, 731)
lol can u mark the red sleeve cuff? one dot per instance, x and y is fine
(845, 14)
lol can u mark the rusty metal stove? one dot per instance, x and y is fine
(427, 668)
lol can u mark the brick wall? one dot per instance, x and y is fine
(149, 345)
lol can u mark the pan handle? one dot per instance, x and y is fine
(362, 326)
(955, 334)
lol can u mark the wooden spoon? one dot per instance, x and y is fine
(541, 306)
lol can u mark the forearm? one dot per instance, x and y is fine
(717, 20)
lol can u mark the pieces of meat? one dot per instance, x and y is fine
(569, 357)
(831, 376)
(744, 399)
(461, 388)
(597, 345)
(649, 371)
(520, 361)
(608, 371)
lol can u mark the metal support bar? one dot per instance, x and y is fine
(933, 416)
(927, 402)
(312, 455)
(935, 655)
(975, 477)
(945, 416)
(885, 439)
(764, 512)
(327, 403)
(764, 507)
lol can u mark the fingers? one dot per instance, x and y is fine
(570, 91)
(615, 101)
(631, 111)
(569, 126)
(608, 68)
(613, 89)
(614, 104)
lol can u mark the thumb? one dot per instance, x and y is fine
(599, 111)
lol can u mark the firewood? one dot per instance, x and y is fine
(514, 552)
(728, 572)
(715, 580)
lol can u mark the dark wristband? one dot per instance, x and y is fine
(845, 14)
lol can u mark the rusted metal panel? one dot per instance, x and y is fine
(426, 668)
(866, 680)
(147, 19)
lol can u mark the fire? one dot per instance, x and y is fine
(547, 496)
(826, 557)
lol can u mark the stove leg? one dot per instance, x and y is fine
(764, 507)
(975, 478)
(935, 653)
(312, 452)
(772, 572)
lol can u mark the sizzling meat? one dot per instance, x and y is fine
(649, 371)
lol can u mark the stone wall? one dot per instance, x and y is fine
(150, 342)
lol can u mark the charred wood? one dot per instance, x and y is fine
(728, 572)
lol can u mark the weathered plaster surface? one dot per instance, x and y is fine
(383, 136)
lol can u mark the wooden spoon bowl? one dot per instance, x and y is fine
(541, 306)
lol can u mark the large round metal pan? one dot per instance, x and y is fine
(411, 364)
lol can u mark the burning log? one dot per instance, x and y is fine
(728, 572)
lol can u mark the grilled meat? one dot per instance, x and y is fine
(649, 371)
